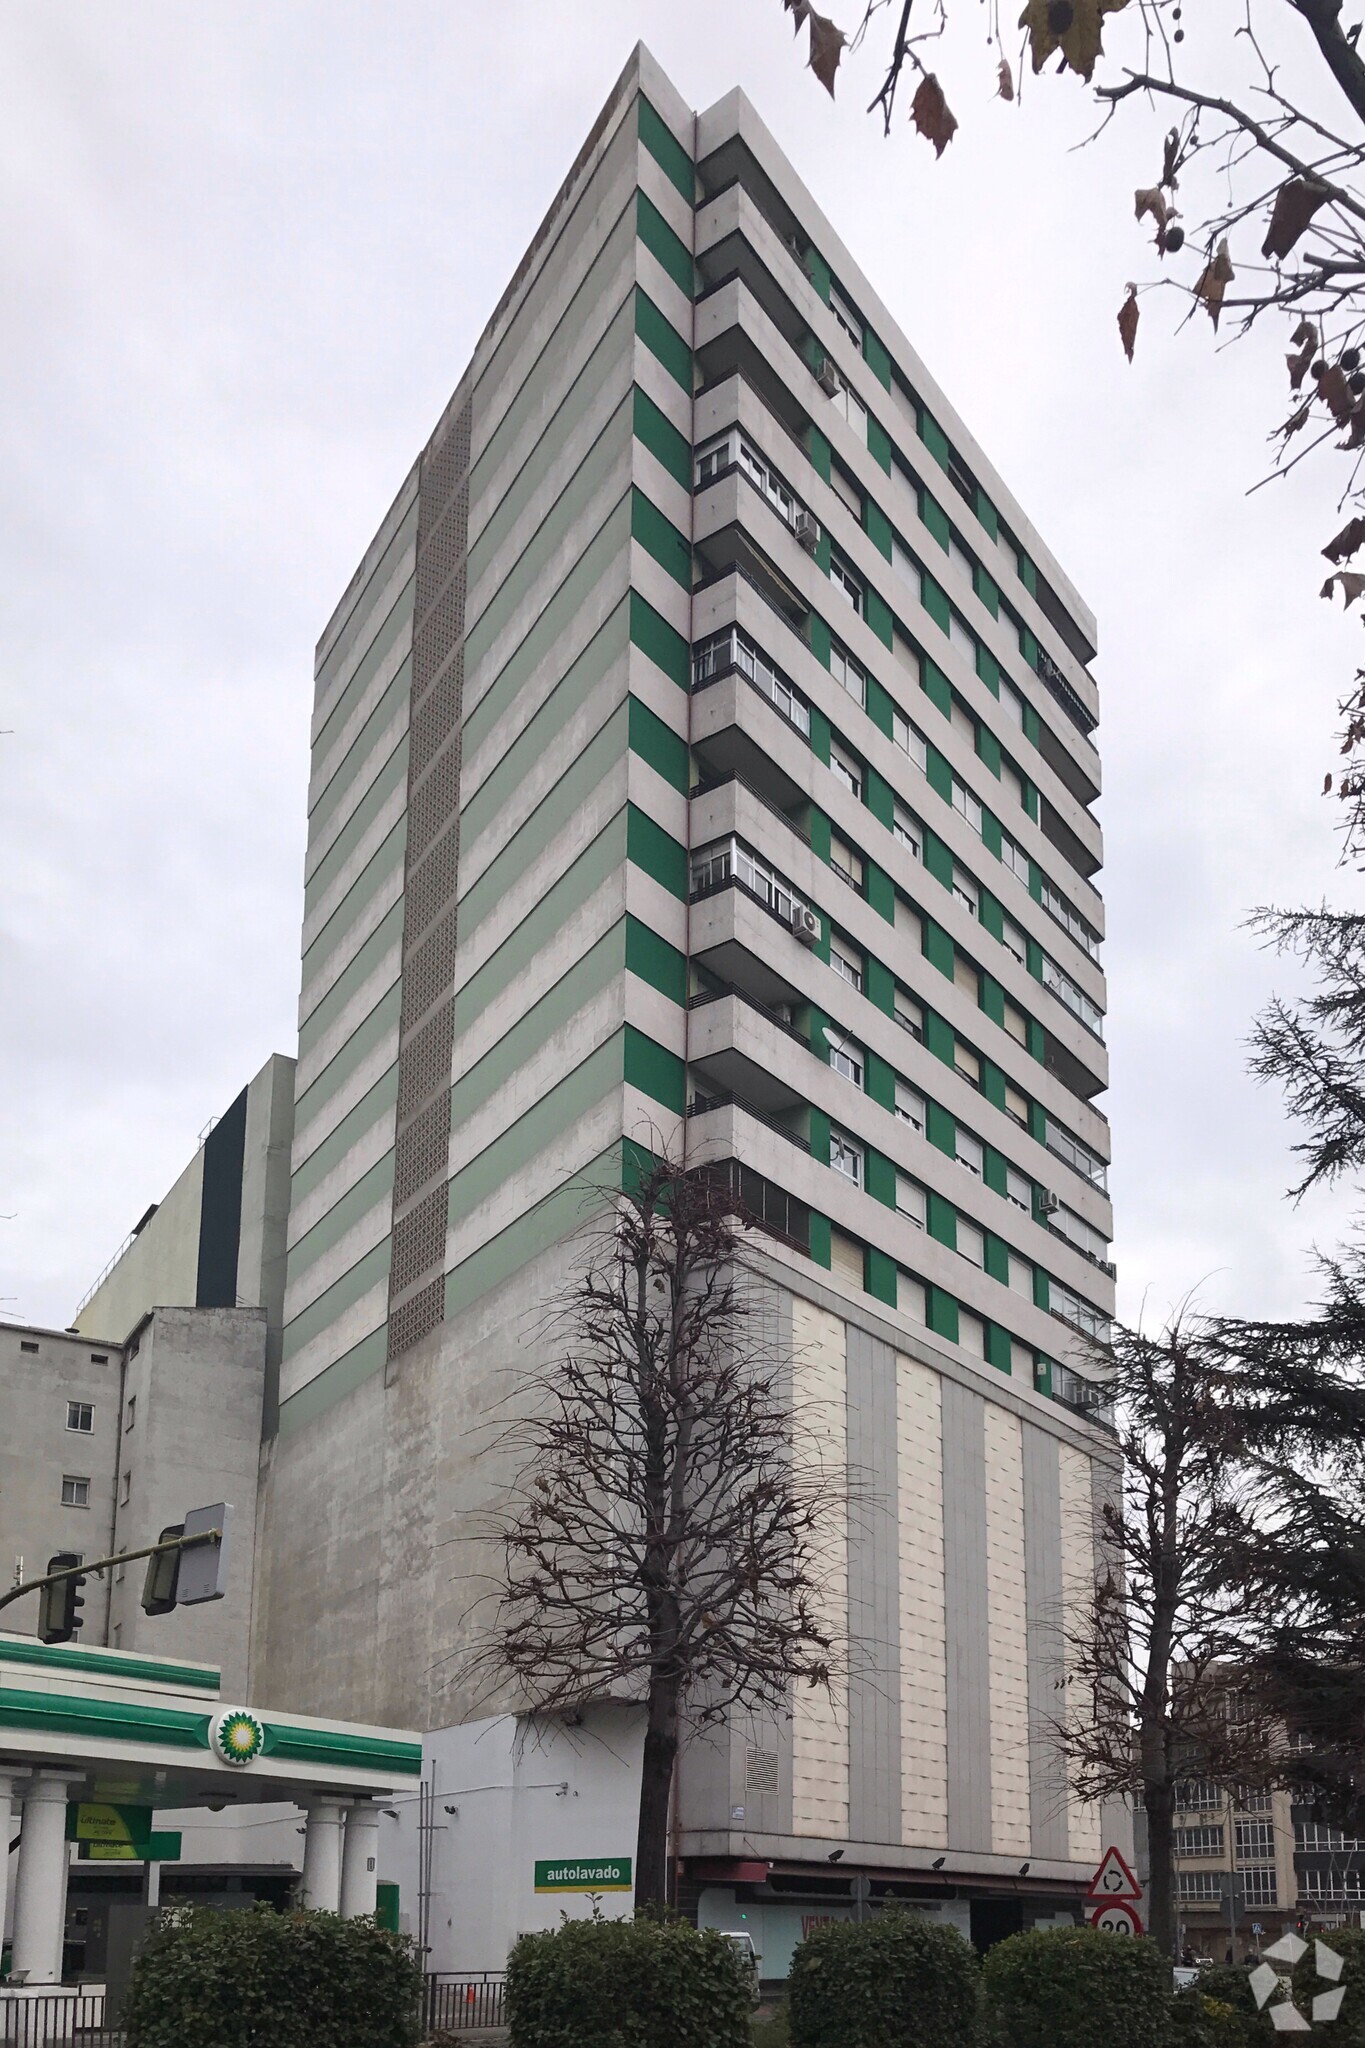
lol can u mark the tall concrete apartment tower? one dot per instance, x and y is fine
(704, 748)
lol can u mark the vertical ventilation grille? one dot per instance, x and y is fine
(417, 1271)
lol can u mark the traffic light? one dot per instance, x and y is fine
(59, 1605)
(159, 1583)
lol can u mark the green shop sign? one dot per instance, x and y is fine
(607, 1874)
(118, 1834)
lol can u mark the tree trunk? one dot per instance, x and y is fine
(1160, 1802)
(656, 1785)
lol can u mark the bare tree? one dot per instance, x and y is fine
(1153, 1696)
(662, 1542)
(1251, 183)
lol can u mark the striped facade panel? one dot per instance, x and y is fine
(874, 1682)
(1046, 1622)
(966, 1604)
(923, 1605)
(820, 1722)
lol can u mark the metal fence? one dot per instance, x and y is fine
(476, 2000)
(59, 2019)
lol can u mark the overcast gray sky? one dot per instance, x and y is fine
(246, 252)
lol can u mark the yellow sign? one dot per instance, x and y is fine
(121, 1824)
(111, 1852)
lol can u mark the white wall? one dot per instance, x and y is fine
(777, 1925)
(523, 1793)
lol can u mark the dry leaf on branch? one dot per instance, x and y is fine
(798, 9)
(1297, 200)
(1004, 81)
(826, 48)
(1298, 365)
(931, 114)
(1217, 275)
(1296, 420)
(1072, 26)
(1335, 394)
(1170, 159)
(1352, 585)
(1128, 321)
(1151, 200)
(1344, 545)
(1327, 784)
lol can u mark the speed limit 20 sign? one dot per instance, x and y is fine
(1116, 1918)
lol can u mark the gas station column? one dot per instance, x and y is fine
(320, 1884)
(360, 1861)
(40, 1886)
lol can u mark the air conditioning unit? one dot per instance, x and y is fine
(807, 530)
(828, 378)
(806, 925)
(1048, 1204)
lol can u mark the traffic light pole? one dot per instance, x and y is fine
(104, 1564)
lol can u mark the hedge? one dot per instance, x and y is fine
(1348, 2029)
(262, 1979)
(899, 1981)
(627, 1984)
(1074, 1987)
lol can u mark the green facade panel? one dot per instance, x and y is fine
(663, 340)
(663, 145)
(660, 240)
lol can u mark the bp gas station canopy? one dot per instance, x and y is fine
(95, 1744)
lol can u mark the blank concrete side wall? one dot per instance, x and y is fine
(820, 1719)
(160, 1266)
(198, 1378)
(265, 1192)
(923, 1621)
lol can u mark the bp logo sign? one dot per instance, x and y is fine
(1285, 2017)
(235, 1737)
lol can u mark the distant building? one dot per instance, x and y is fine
(1252, 1864)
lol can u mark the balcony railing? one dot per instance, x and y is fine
(709, 783)
(718, 995)
(702, 1105)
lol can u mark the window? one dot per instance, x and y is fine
(910, 1296)
(1313, 1837)
(846, 1257)
(908, 926)
(126, 1491)
(846, 1157)
(906, 827)
(1260, 1888)
(1011, 703)
(960, 559)
(846, 863)
(971, 1333)
(26, 1345)
(847, 769)
(1056, 905)
(847, 583)
(846, 962)
(969, 1152)
(1014, 940)
(846, 401)
(907, 570)
(1016, 1104)
(730, 860)
(846, 317)
(967, 1064)
(130, 1415)
(733, 649)
(1023, 1365)
(966, 977)
(1330, 1884)
(910, 740)
(963, 723)
(848, 673)
(1018, 1190)
(99, 1358)
(910, 1106)
(75, 1492)
(1255, 1839)
(1199, 1887)
(1205, 1841)
(714, 459)
(1063, 1145)
(1253, 1798)
(1014, 857)
(1016, 1023)
(734, 450)
(909, 1014)
(1021, 1277)
(1082, 1315)
(846, 491)
(966, 891)
(1075, 999)
(845, 1057)
(1199, 1796)
(961, 477)
(911, 1200)
(962, 639)
(80, 1415)
(1087, 1240)
(971, 1242)
(966, 805)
